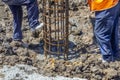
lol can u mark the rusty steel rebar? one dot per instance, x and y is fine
(55, 31)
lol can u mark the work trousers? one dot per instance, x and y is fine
(106, 30)
(33, 15)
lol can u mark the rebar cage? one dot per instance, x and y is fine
(55, 31)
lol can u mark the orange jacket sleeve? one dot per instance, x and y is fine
(98, 5)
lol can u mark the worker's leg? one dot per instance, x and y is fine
(17, 21)
(115, 39)
(103, 30)
(33, 14)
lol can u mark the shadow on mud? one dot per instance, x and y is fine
(73, 52)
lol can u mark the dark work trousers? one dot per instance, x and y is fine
(106, 30)
(33, 15)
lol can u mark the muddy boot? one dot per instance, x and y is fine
(37, 30)
(19, 43)
(107, 58)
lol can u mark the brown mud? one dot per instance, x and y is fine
(84, 62)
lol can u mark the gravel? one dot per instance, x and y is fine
(25, 72)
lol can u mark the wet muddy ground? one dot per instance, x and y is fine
(84, 59)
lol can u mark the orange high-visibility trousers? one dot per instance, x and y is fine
(98, 5)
